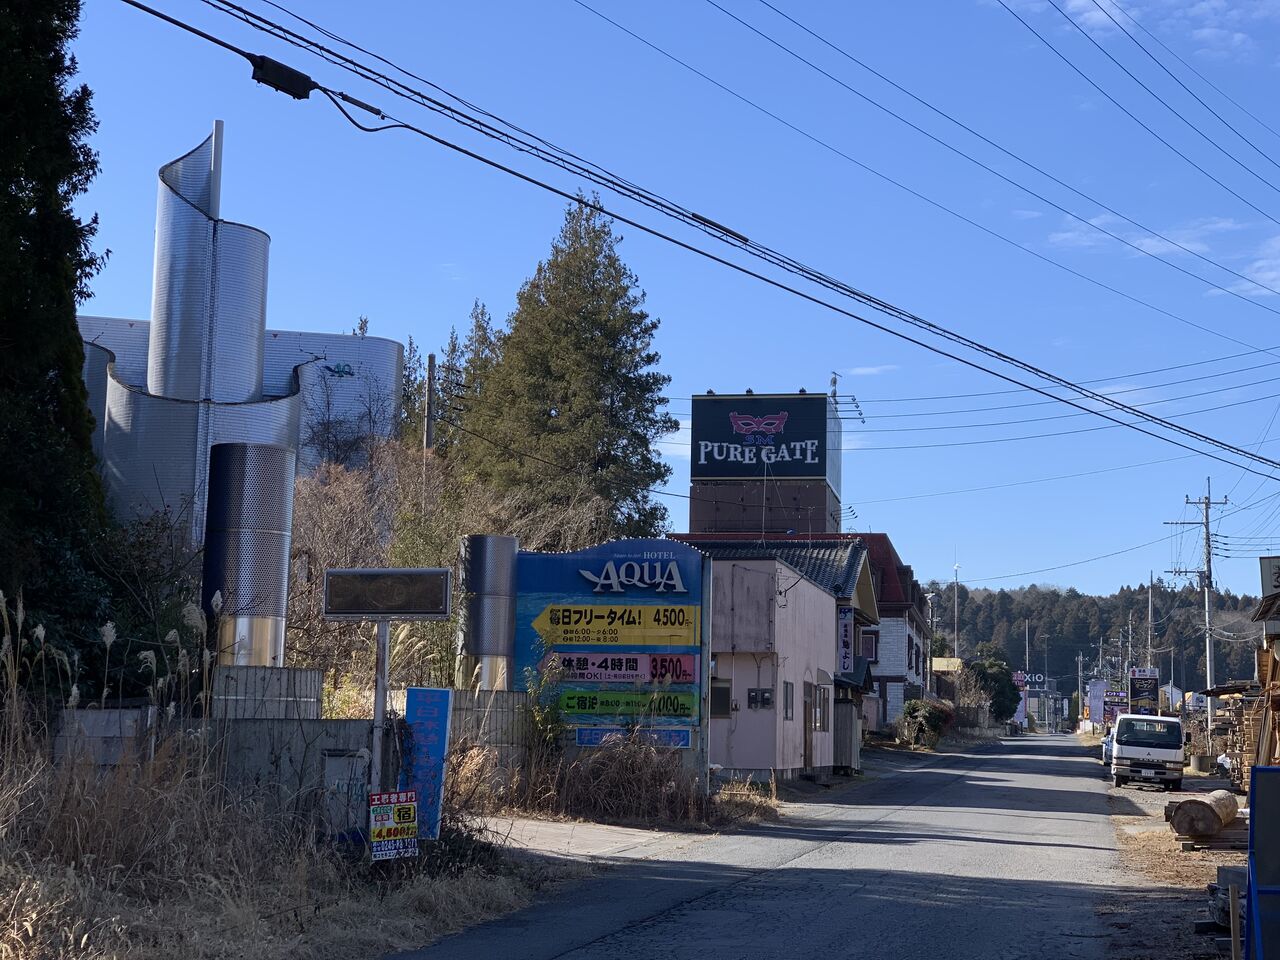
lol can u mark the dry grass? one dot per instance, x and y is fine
(155, 859)
(627, 781)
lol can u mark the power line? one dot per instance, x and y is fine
(1123, 376)
(929, 200)
(740, 242)
(1074, 563)
(1178, 80)
(1084, 221)
(1222, 93)
(1159, 99)
(1127, 112)
(930, 414)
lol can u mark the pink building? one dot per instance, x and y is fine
(785, 693)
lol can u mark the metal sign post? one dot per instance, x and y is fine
(381, 656)
(360, 596)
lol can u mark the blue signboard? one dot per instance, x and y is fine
(681, 738)
(623, 621)
(427, 711)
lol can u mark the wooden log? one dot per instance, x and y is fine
(1205, 815)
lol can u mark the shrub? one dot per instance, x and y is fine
(924, 721)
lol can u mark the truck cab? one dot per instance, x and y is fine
(1147, 749)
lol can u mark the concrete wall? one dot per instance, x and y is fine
(309, 767)
(747, 739)
(105, 737)
(807, 652)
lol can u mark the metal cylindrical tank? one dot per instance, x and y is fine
(487, 627)
(246, 550)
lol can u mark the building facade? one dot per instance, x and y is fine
(776, 657)
(898, 647)
(204, 412)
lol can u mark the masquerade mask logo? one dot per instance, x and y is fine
(769, 423)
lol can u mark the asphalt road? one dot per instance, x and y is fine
(1004, 851)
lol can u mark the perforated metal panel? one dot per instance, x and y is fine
(209, 293)
(149, 452)
(488, 566)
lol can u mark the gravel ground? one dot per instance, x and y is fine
(1156, 924)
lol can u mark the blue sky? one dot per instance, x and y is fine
(409, 234)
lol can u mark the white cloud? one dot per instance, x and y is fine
(871, 371)
(1027, 214)
(1264, 267)
(1192, 236)
(1220, 43)
(677, 445)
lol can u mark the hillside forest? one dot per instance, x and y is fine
(1063, 622)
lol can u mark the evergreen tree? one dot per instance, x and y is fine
(50, 499)
(573, 381)
(413, 394)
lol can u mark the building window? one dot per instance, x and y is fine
(871, 645)
(788, 700)
(822, 709)
(911, 656)
(721, 697)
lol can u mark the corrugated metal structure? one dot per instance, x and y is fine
(205, 375)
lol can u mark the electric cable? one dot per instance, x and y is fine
(1203, 79)
(1159, 99)
(648, 198)
(1178, 80)
(1061, 56)
(1083, 221)
(740, 242)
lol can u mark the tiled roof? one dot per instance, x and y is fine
(832, 565)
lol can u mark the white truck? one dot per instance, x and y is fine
(1147, 749)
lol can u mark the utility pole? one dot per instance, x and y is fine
(1151, 585)
(428, 423)
(1080, 687)
(1026, 640)
(1206, 579)
(955, 598)
(1044, 696)
(1129, 649)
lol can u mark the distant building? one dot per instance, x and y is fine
(898, 647)
(204, 412)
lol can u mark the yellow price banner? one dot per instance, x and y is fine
(561, 625)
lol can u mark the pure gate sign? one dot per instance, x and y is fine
(758, 436)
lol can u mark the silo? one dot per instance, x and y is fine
(487, 627)
(246, 550)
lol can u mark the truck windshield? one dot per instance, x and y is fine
(1164, 735)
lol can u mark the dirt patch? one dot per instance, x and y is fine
(1153, 919)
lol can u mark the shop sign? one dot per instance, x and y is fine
(647, 625)
(628, 668)
(680, 738)
(614, 620)
(844, 637)
(628, 703)
(764, 436)
(427, 713)
(393, 824)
